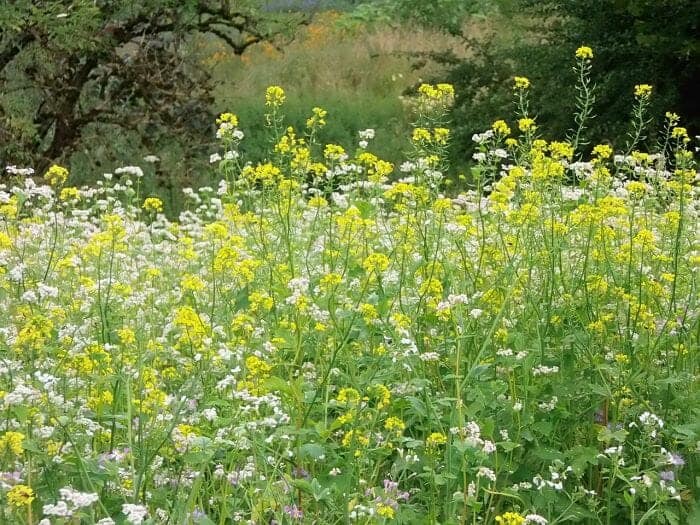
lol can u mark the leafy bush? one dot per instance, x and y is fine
(323, 340)
(635, 42)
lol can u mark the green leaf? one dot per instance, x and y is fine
(313, 451)
(581, 457)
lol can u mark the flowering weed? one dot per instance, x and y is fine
(329, 338)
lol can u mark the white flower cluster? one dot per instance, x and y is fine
(135, 514)
(69, 502)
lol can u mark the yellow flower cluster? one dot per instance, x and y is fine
(228, 118)
(500, 127)
(56, 175)
(12, 441)
(510, 518)
(20, 496)
(274, 96)
(642, 90)
(526, 125)
(584, 53)
(435, 440)
(317, 119)
(376, 262)
(153, 205)
(442, 93)
(521, 83)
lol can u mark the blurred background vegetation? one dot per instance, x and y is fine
(96, 84)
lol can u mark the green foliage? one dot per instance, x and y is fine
(76, 79)
(346, 117)
(648, 42)
(376, 354)
(447, 15)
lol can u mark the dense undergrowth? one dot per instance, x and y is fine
(329, 338)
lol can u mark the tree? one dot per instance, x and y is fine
(101, 66)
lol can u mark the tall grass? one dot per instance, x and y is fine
(359, 74)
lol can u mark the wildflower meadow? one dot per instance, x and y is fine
(329, 338)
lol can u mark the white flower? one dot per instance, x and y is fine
(14, 170)
(134, 513)
(209, 414)
(543, 370)
(535, 518)
(78, 499)
(485, 472)
(59, 509)
(367, 134)
(129, 170)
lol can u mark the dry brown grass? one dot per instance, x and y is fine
(380, 60)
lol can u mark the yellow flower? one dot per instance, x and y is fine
(274, 96)
(126, 335)
(445, 90)
(355, 438)
(672, 118)
(375, 262)
(382, 394)
(12, 441)
(436, 439)
(368, 312)
(430, 287)
(56, 175)
(257, 367)
(440, 135)
(679, 133)
(561, 150)
(526, 124)
(642, 90)
(68, 194)
(20, 495)
(603, 151)
(317, 119)
(348, 396)
(267, 174)
(385, 511)
(330, 280)
(192, 283)
(521, 83)
(5, 241)
(500, 127)
(510, 518)
(584, 53)
(421, 135)
(394, 424)
(636, 188)
(644, 238)
(317, 202)
(153, 204)
(440, 93)
(228, 118)
(333, 152)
